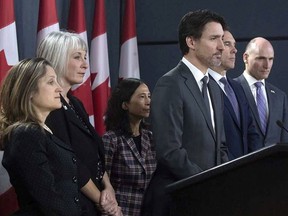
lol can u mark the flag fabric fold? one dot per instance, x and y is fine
(129, 61)
(77, 24)
(100, 66)
(8, 58)
(47, 19)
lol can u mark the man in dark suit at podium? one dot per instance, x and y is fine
(267, 102)
(187, 117)
(240, 131)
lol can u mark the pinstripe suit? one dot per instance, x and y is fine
(42, 169)
(130, 172)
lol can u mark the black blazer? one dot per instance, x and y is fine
(241, 137)
(43, 171)
(84, 140)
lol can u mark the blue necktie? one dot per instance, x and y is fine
(261, 106)
(204, 93)
(231, 96)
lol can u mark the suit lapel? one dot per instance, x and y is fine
(251, 101)
(192, 85)
(230, 107)
(59, 142)
(272, 99)
(130, 142)
(217, 103)
(71, 116)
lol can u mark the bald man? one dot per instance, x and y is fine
(267, 102)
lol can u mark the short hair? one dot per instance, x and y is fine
(56, 48)
(193, 23)
(16, 90)
(116, 118)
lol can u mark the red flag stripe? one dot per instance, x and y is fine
(6, 13)
(76, 23)
(47, 19)
(8, 202)
(76, 20)
(8, 57)
(100, 66)
(84, 94)
(99, 18)
(47, 14)
(129, 62)
(100, 95)
(129, 21)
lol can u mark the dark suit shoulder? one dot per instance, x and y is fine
(240, 79)
(28, 131)
(233, 82)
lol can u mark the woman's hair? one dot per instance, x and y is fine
(57, 46)
(116, 118)
(16, 90)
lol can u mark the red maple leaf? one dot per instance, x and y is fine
(4, 67)
(93, 76)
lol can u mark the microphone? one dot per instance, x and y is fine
(281, 125)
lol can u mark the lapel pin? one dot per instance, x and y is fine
(65, 107)
(272, 91)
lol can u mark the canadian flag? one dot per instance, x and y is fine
(76, 23)
(8, 58)
(100, 66)
(47, 19)
(129, 62)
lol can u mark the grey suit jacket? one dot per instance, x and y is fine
(277, 103)
(186, 142)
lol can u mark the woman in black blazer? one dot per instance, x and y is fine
(41, 167)
(67, 52)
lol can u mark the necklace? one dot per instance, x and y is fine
(47, 128)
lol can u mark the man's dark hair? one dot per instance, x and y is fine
(192, 24)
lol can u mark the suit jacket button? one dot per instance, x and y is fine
(74, 179)
(74, 160)
(76, 199)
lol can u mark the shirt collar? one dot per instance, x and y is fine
(251, 80)
(216, 76)
(198, 75)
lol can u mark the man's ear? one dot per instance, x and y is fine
(190, 42)
(245, 57)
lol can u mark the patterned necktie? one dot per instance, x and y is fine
(204, 93)
(261, 106)
(231, 96)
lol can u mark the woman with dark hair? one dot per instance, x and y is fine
(129, 152)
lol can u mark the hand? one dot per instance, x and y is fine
(108, 204)
(118, 213)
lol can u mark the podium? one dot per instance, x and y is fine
(255, 184)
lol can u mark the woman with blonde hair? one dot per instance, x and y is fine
(67, 52)
(40, 165)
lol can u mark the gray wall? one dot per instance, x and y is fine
(157, 22)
